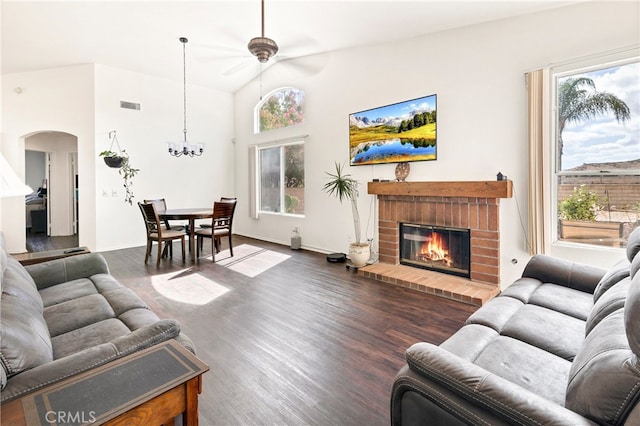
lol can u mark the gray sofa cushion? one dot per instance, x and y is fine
(635, 267)
(546, 329)
(604, 381)
(610, 301)
(87, 337)
(632, 316)
(549, 269)
(527, 366)
(74, 314)
(24, 336)
(618, 272)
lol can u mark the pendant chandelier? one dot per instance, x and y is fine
(185, 148)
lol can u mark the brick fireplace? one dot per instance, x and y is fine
(470, 205)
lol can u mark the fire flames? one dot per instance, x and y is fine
(434, 250)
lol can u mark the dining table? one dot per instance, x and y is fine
(190, 214)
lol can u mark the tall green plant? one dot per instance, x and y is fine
(582, 204)
(344, 187)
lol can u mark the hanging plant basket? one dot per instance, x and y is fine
(114, 162)
(120, 160)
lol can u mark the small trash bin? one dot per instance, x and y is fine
(296, 240)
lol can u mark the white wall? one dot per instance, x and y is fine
(59, 99)
(183, 182)
(477, 73)
(85, 101)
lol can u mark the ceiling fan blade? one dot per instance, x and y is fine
(305, 65)
(239, 67)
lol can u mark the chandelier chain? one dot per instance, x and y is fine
(184, 86)
(186, 149)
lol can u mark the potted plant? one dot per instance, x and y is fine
(112, 159)
(344, 187)
(120, 161)
(578, 213)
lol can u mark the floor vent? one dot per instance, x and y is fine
(129, 105)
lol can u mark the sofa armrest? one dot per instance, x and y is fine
(58, 271)
(563, 272)
(452, 388)
(62, 368)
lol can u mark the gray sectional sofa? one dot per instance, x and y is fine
(560, 346)
(66, 316)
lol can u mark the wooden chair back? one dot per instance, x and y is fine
(160, 203)
(223, 215)
(151, 219)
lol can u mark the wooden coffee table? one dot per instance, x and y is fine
(44, 256)
(152, 386)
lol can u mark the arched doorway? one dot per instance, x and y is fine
(51, 165)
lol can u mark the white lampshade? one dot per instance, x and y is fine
(10, 183)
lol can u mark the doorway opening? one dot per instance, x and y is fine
(51, 166)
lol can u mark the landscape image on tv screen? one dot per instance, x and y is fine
(405, 131)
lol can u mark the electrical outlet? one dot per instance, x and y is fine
(114, 193)
(105, 193)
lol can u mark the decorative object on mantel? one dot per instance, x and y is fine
(185, 148)
(120, 160)
(344, 187)
(500, 176)
(402, 171)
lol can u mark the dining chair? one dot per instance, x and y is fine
(161, 205)
(156, 232)
(222, 199)
(221, 224)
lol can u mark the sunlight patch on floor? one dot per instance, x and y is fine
(249, 260)
(185, 287)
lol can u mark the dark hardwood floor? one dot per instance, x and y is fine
(303, 343)
(41, 242)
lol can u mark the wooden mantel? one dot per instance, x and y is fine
(480, 189)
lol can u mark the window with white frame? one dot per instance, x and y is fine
(280, 171)
(596, 118)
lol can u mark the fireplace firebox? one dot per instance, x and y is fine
(442, 249)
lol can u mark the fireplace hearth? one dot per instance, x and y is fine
(442, 249)
(472, 205)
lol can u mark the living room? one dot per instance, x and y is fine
(477, 73)
(478, 68)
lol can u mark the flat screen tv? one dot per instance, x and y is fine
(404, 131)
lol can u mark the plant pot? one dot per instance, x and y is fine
(115, 162)
(579, 230)
(359, 253)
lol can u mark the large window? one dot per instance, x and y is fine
(281, 178)
(597, 147)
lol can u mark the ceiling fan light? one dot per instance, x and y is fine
(263, 48)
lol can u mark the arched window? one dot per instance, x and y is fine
(282, 107)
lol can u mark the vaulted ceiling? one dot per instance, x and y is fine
(142, 36)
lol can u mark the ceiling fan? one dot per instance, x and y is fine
(262, 47)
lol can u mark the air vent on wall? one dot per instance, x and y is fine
(129, 105)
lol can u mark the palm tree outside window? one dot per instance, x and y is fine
(598, 152)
